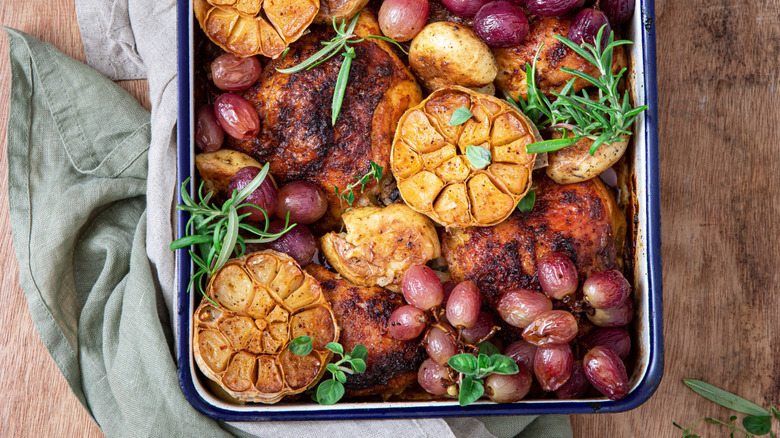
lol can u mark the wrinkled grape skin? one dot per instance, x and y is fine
(521, 306)
(463, 305)
(299, 243)
(464, 8)
(236, 116)
(501, 24)
(304, 200)
(422, 288)
(618, 11)
(522, 353)
(554, 8)
(577, 384)
(586, 26)
(557, 275)
(553, 327)
(617, 316)
(433, 377)
(264, 196)
(606, 372)
(402, 20)
(406, 323)
(440, 345)
(606, 289)
(232, 73)
(553, 365)
(483, 327)
(616, 339)
(209, 136)
(447, 287)
(502, 388)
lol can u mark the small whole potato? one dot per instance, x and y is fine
(445, 54)
(574, 163)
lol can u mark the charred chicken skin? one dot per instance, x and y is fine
(580, 220)
(296, 136)
(362, 314)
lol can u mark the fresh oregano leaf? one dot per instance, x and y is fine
(459, 116)
(359, 352)
(335, 347)
(526, 205)
(358, 365)
(725, 398)
(483, 365)
(478, 157)
(301, 346)
(488, 348)
(759, 425)
(503, 365)
(463, 363)
(732, 418)
(470, 390)
(341, 376)
(329, 392)
(332, 367)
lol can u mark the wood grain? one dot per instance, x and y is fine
(719, 140)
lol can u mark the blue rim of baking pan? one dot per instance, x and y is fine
(639, 395)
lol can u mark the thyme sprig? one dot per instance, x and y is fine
(344, 36)
(214, 231)
(348, 194)
(604, 117)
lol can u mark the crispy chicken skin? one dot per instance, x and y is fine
(553, 56)
(296, 135)
(581, 220)
(362, 314)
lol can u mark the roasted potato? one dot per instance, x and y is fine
(574, 164)
(381, 244)
(338, 9)
(216, 168)
(445, 54)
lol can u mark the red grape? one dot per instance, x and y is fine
(208, 134)
(464, 8)
(522, 353)
(237, 116)
(501, 24)
(553, 366)
(482, 328)
(586, 26)
(304, 200)
(298, 243)
(463, 305)
(606, 372)
(502, 388)
(422, 288)
(406, 322)
(553, 327)
(557, 275)
(433, 377)
(520, 307)
(447, 288)
(263, 196)
(232, 73)
(440, 345)
(402, 20)
(554, 8)
(606, 289)
(617, 316)
(577, 384)
(616, 339)
(618, 11)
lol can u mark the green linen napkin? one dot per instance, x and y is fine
(77, 153)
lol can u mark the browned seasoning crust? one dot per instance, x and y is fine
(362, 314)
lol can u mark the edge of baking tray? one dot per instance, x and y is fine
(639, 395)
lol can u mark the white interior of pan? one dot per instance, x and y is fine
(641, 270)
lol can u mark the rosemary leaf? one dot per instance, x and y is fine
(341, 84)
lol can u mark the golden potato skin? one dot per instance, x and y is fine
(217, 168)
(381, 244)
(445, 54)
(575, 163)
(511, 78)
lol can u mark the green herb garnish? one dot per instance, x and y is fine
(474, 369)
(348, 194)
(758, 421)
(459, 116)
(330, 391)
(527, 203)
(344, 36)
(301, 346)
(478, 157)
(605, 119)
(215, 231)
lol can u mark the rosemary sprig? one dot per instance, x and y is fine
(605, 118)
(348, 194)
(344, 36)
(215, 233)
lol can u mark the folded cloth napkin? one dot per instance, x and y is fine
(78, 145)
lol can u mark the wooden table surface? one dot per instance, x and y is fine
(718, 63)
